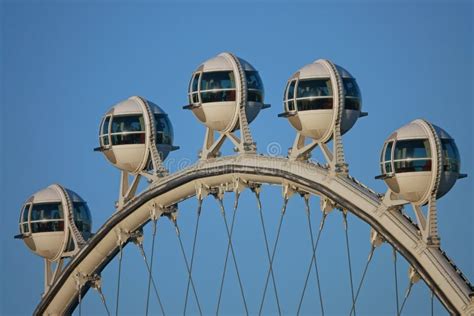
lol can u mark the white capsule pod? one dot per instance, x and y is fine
(54, 221)
(317, 96)
(126, 131)
(418, 160)
(219, 86)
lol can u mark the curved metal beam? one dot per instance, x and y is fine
(449, 285)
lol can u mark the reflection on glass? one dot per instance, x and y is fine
(291, 90)
(49, 226)
(254, 96)
(253, 80)
(105, 131)
(24, 218)
(291, 105)
(314, 104)
(82, 218)
(195, 82)
(412, 165)
(218, 96)
(105, 126)
(413, 148)
(350, 87)
(352, 104)
(128, 123)
(26, 210)
(128, 139)
(451, 160)
(388, 152)
(164, 130)
(314, 88)
(46, 211)
(217, 80)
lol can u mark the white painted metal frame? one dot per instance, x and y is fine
(245, 143)
(335, 158)
(340, 191)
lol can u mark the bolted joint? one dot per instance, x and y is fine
(413, 275)
(305, 196)
(173, 217)
(82, 280)
(137, 237)
(250, 147)
(327, 205)
(201, 191)
(255, 187)
(344, 217)
(342, 168)
(288, 190)
(154, 212)
(376, 240)
(217, 192)
(239, 185)
(122, 236)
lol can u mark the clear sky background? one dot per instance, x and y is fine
(63, 65)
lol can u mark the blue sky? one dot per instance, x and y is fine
(63, 65)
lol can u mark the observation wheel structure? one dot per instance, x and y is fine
(322, 101)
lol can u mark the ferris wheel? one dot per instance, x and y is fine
(419, 163)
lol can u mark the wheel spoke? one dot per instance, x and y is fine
(102, 298)
(407, 294)
(229, 236)
(151, 281)
(432, 303)
(226, 260)
(117, 299)
(313, 259)
(270, 268)
(369, 259)
(267, 247)
(395, 270)
(196, 229)
(80, 301)
(178, 234)
(344, 216)
(314, 246)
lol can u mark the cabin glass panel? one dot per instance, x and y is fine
(218, 96)
(386, 159)
(217, 86)
(412, 155)
(104, 138)
(217, 80)
(314, 94)
(164, 129)
(289, 96)
(194, 88)
(351, 88)
(24, 227)
(128, 123)
(451, 160)
(314, 104)
(291, 90)
(255, 90)
(128, 130)
(314, 88)
(412, 149)
(82, 218)
(47, 217)
(352, 93)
